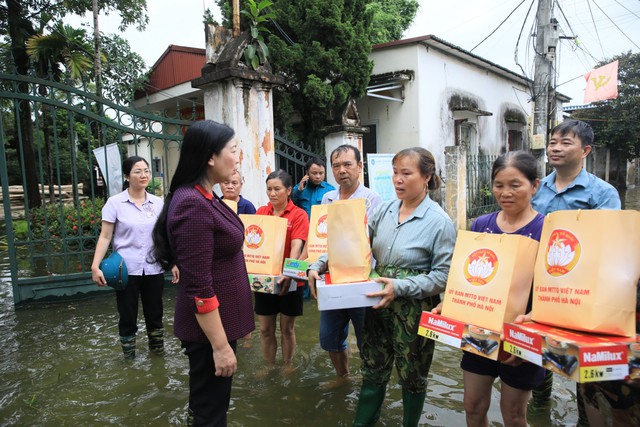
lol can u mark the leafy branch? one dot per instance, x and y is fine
(256, 52)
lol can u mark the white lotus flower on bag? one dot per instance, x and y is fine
(253, 238)
(480, 268)
(322, 227)
(560, 254)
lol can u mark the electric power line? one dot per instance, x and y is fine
(619, 29)
(595, 26)
(496, 29)
(515, 54)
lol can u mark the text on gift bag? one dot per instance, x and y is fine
(587, 271)
(264, 241)
(490, 278)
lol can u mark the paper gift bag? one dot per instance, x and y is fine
(232, 204)
(587, 271)
(317, 239)
(348, 246)
(490, 278)
(264, 239)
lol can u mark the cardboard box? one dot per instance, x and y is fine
(465, 336)
(295, 268)
(335, 296)
(268, 284)
(579, 356)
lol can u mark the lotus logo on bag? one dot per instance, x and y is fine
(253, 237)
(321, 227)
(563, 252)
(481, 267)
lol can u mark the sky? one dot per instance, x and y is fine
(604, 28)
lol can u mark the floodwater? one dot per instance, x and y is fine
(61, 365)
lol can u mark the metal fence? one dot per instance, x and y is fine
(480, 198)
(51, 184)
(292, 156)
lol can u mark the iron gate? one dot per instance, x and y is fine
(51, 186)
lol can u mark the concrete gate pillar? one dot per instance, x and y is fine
(347, 130)
(240, 97)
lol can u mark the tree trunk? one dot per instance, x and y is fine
(24, 145)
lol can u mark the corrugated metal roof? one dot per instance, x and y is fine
(178, 64)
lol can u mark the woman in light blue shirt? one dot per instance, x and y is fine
(412, 240)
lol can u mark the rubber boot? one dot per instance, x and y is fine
(583, 420)
(541, 395)
(156, 341)
(369, 404)
(412, 404)
(189, 417)
(128, 346)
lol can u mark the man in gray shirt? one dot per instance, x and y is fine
(346, 164)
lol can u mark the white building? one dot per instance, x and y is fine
(427, 92)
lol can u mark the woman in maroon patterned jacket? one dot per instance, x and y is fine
(203, 237)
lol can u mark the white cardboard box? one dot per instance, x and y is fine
(347, 295)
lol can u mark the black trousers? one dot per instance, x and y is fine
(148, 288)
(209, 395)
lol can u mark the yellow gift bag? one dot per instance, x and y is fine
(317, 239)
(348, 245)
(587, 271)
(490, 278)
(232, 204)
(264, 240)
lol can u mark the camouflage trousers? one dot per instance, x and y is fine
(390, 336)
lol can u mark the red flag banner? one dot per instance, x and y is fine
(602, 83)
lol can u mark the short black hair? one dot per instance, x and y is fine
(343, 149)
(283, 176)
(315, 161)
(580, 129)
(521, 160)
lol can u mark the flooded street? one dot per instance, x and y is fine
(61, 365)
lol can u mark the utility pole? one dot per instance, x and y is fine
(236, 18)
(543, 80)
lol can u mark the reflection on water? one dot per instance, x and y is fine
(60, 365)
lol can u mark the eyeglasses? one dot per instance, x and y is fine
(140, 172)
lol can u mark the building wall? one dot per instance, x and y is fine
(424, 118)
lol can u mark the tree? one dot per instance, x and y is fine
(122, 73)
(22, 19)
(322, 48)
(327, 64)
(64, 46)
(615, 122)
(390, 19)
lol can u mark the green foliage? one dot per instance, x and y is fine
(615, 122)
(390, 19)
(323, 53)
(122, 72)
(256, 52)
(207, 18)
(155, 186)
(328, 63)
(58, 221)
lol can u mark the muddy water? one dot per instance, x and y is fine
(60, 365)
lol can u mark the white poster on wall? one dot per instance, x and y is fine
(110, 164)
(380, 174)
